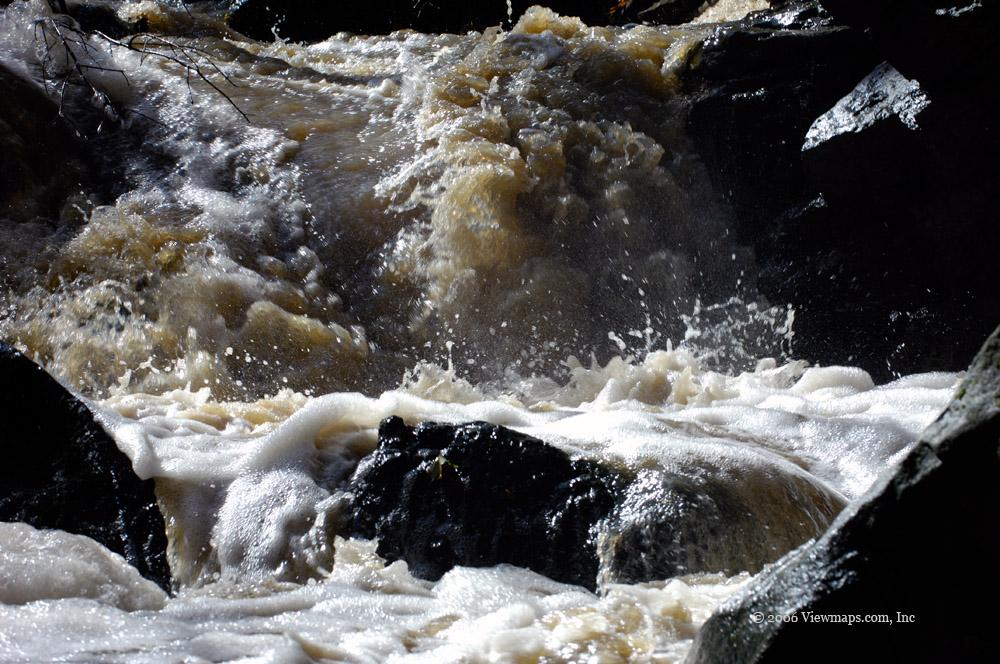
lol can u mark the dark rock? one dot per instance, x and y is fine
(707, 518)
(97, 17)
(879, 230)
(756, 87)
(62, 470)
(948, 45)
(922, 542)
(900, 250)
(42, 161)
(311, 20)
(477, 494)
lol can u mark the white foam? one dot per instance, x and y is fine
(51, 564)
(366, 611)
(253, 501)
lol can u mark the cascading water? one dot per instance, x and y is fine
(312, 238)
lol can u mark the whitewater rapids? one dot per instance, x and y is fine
(428, 226)
(263, 579)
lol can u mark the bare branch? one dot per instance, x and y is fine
(186, 57)
(78, 62)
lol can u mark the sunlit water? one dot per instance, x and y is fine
(429, 226)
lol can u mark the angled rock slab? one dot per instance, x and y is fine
(919, 549)
(883, 94)
(61, 470)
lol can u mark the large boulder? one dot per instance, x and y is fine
(896, 242)
(61, 470)
(476, 494)
(755, 87)
(917, 550)
(438, 496)
(947, 45)
(883, 229)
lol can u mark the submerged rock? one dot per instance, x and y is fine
(919, 549)
(707, 518)
(36, 565)
(61, 470)
(476, 494)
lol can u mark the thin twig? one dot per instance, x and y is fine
(194, 61)
(75, 70)
(183, 56)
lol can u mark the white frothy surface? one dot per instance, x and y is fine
(367, 612)
(50, 565)
(246, 492)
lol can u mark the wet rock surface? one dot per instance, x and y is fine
(42, 161)
(476, 494)
(63, 471)
(439, 496)
(755, 88)
(948, 45)
(710, 519)
(883, 228)
(97, 17)
(935, 512)
(883, 95)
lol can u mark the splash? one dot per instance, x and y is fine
(514, 193)
(471, 213)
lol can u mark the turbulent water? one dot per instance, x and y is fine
(432, 226)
